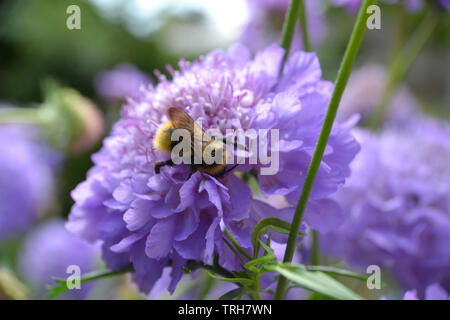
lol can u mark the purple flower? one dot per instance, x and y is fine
(364, 90)
(266, 21)
(445, 4)
(432, 292)
(410, 5)
(353, 5)
(150, 219)
(125, 81)
(48, 251)
(26, 178)
(397, 205)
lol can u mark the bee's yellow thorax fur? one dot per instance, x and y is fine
(162, 140)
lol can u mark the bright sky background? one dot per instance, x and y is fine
(225, 18)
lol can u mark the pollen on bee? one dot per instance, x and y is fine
(162, 140)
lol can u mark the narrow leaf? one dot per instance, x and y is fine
(230, 295)
(249, 265)
(263, 225)
(244, 281)
(266, 247)
(315, 281)
(338, 272)
(61, 287)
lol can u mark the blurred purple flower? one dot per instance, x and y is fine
(397, 205)
(149, 219)
(410, 5)
(26, 178)
(48, 251)
(364, 90)
(353, 5)
(432, 292)
(190, 287)
(444, 4)
(125, 81)
(266, 21)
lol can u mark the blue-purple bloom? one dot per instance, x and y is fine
(353, 5)
(432, 292)
(48, 251)
(124, 81)
(266, 21)
(149, 219)
(26, 178)
(397, 205)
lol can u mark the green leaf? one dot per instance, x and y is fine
(263, 225)
(251, 264)
(244, 281)
(338, 272)
(236, 244)
(61, 287)
(230, 295)
(316, 281)
(266, 247)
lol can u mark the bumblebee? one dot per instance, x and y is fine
(179, 119)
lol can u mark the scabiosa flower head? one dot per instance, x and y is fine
(363, 93)
(48, 251)
(150, 219)
(397, 205)
(266, 20)
(26, 178)
(120, 83)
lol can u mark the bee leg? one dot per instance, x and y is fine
(160, 164)
(224, 172)
(235, 144)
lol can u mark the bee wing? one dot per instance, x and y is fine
(182, 120)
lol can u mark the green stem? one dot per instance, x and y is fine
(315, 248)
(402, 63)
(257, 291)
(352, 50)
(399, 38)
(61, 287)
(236, 253)
(208, 284)
(194, 265)
(304, 26)
(21, 116)
(287, 34)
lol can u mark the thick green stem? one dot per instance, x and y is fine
(315, 249)
(304, 26)
(21, 116)
(400, 33)
(402, 63)
(351, 52)
(287, 34)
